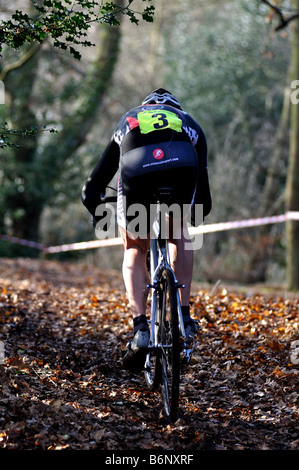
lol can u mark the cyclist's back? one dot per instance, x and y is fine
(154, 143)
(156, 151)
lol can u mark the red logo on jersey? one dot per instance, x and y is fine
(158, 154)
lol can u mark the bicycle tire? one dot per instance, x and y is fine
(152, 370)
(169, 338)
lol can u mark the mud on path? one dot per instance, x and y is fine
(62, 385)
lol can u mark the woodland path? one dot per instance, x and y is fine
(62, 385)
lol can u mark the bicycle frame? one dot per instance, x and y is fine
(159, 257)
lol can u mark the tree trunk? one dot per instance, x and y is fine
(20, 198)
(292, 187)
(39, 171)
(272, 198)
(96, 84)
(77, 125)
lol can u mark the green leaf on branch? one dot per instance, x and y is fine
(71, 19)
(7, 134)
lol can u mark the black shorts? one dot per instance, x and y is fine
(145, 170)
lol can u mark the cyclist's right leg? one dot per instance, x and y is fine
(182, 260)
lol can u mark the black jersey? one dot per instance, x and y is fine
(142, 126)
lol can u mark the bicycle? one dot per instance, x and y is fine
(169, 346)
(167, 333)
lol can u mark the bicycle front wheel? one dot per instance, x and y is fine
(169, 340)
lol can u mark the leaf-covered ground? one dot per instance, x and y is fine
(62, 385)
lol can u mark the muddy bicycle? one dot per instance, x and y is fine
(169, 346)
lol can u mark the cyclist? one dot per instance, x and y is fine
(155, 144)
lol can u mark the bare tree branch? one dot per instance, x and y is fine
(284, 21)
(21, 61)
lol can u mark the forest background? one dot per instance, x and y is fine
(230, 70)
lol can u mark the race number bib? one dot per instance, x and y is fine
(156, 120)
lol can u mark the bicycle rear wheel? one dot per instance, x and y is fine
(169, 339)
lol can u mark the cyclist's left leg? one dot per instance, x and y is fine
(136, 279)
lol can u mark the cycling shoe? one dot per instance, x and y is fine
(136, 351)
(191, 327)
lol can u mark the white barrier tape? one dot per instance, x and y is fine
(210, 228)
(292, 215)
(83, 245)
(222, 226)
(21, 241)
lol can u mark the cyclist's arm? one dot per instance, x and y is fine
(203, 194)
(100, 177)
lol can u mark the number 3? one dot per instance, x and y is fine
(161, 117)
